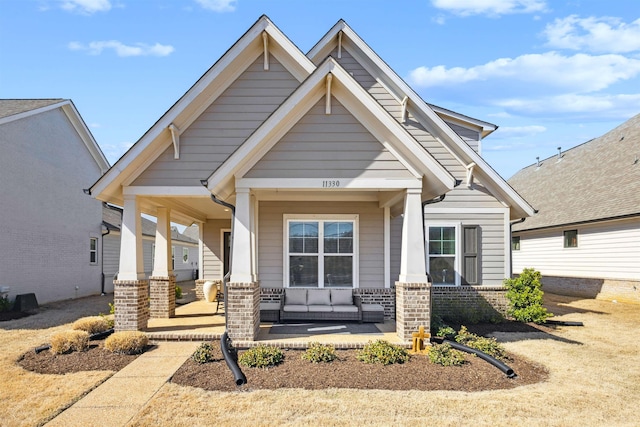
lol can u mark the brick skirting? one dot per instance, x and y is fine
(131, 301)
(243, 310)
(606, 289)
(162, 302)
(469, 303)
(413, 308)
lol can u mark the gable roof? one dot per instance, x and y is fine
(597, 180)
(393, 135)
(16, 109)
(433, 122)
(187, 109)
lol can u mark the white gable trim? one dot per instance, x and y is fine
(422, 112)
(199, 97)
(371, 114)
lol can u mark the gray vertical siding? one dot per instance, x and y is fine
(371, 243)
(334, 145)
(223, 126)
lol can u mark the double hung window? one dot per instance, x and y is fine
(442, 255)
(321, 252)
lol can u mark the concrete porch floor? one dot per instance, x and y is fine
(198, 321)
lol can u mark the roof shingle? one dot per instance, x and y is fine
(597, 180)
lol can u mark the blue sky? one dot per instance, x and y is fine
(549, 73)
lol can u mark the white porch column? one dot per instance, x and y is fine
(241, 256)
(162, 265)
(412, 260)
(131, 260)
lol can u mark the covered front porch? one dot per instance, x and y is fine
(198, 321)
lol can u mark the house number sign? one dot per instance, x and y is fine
(330, 184)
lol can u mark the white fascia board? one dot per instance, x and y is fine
(85, 134)
(128, 167)
(33, 112)
(190, 191)
(369, 184)
(323, 47)
(429, 117)
(485, 127)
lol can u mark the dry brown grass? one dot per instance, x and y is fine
(91, 324)
(30, 399)
(594, 381)
(127, 342)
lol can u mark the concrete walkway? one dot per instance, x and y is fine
(116, 401)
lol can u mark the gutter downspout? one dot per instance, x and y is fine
(230, 355)
(106, 205)
(511, 224)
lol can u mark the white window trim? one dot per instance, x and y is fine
(319, 217)
(95, 250)
(458, 259)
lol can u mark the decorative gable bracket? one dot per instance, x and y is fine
(175, 137)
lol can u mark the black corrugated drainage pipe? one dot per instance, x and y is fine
(230, 356)
(484, 356)
(563, 323)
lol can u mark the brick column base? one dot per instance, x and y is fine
(130, 298)
(243, 310)
(413, 308)
(199, 293)
(162, 304)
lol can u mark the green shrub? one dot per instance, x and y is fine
(445, 355)
(261, 357)
(525, 297)
(127, 342)
(69, 341)
(446, 332)
(5, 305)
(317, 353)
(178, 292)
(486, 345)
(204, 353)
(91, 324)
(383, 352)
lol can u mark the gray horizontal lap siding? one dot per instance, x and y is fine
(270, 242)
(223, 126)
(332, 145)
(212, 256)
(471, 137)
(492, 240)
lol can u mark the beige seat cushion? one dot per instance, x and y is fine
(341, 297)
(372, 307)
(320, 309)
(296, 308)
(345, 309)
(295, 297)
(318, 297)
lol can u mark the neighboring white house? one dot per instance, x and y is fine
(184, 249)
(585, 239)
(339, 175)
(50, 231)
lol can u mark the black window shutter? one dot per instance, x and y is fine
(470, 254)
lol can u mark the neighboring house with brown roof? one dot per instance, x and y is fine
(585, 238)
(332, 173)
(50, 231)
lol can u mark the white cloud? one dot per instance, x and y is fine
(577, 73)
(609, 35)
(605, 105)
(86, 6)
(218, 5)
(490, 7)
(123, 50)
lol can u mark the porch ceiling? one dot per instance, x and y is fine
(185, 209)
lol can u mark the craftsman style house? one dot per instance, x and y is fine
(585, 239)
(327, 170)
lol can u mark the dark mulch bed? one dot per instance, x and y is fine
(346, 372)
(96, 358)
